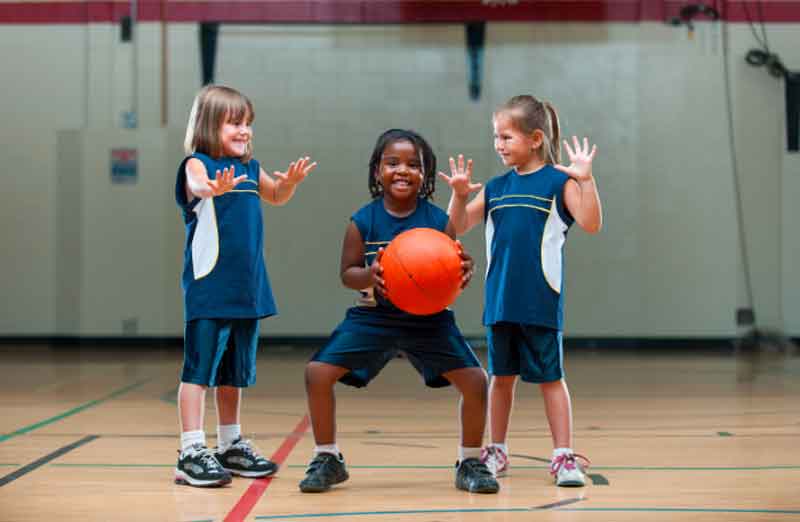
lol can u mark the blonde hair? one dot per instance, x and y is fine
(529, 115)
(213, 106)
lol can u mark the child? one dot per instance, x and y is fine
(528, 211)
(225, 284)
(401, 180)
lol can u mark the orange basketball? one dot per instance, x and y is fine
(422, 271)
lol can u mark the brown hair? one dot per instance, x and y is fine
(213, 106)
(530, 114)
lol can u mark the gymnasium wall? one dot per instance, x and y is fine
(84, 257)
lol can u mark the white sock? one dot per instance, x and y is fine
(502, 446)
(468, 453)
(561, 451)
(333, 449)
(190, 438)
(227, 435)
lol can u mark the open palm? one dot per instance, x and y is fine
(460, 179)
(580, 167)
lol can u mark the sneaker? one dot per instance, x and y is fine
(567, 471)
(197, 466)
(242, 459)
(324, 470)
(496, 460)
(472, 475)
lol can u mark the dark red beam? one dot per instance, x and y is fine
(385, 11)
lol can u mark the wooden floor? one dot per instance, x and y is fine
(91, 434)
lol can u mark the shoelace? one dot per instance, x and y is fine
(477, 466)
(320, 461)
(568, 461)
(491, 451)
(247, 447)
(206, 456)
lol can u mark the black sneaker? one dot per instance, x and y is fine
(242, 459)
(324, 470)
(472, 475)
(197, 466)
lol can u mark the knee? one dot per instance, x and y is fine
(504, 382)
(317, 376)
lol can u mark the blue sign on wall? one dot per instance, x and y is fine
(124, 167)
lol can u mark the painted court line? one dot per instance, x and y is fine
(24, 470)
(257, 488)
(687, 510)
(73, 411)
(423, 511)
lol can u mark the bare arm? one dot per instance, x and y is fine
(464, 215)
(352, 270)
(198, 184)
(280, 189)
(580, 192)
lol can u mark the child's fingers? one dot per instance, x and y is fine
(570, 153)
(309, 168)
(594, 151)
(461, 163)
(444, 176)
(469, 168)
(577, 144)
(453, 168)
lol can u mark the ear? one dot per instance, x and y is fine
(537, 139)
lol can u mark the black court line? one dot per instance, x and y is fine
(560, 503)
(24, 470)
(398, 444)
(529, 457)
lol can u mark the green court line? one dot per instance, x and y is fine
(404, 512)
(8, 465)
(107, 465)
(688, 510)
(613, 468)
(73, 411)
(303, 466)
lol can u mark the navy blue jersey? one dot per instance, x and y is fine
(526, 226)
(378, 228)
(224, 275)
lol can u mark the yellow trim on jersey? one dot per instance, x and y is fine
(519, 205)
(370, 253)
(248, 180)
(376, 242)
(521, 196)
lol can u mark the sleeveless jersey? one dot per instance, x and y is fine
(526, 226)
(224, 274)
(377, 227)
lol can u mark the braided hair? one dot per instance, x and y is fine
(427, 158)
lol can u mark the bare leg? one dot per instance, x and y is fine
(228, 400)
(320, 379)
(471, 382)
(559, 412)
(191, 406)
(501, 400)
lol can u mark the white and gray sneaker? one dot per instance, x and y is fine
(243, 459)
(197, 466)
(567, 471)
(496, 460)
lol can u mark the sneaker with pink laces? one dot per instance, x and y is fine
(496, 460)
(567, 471)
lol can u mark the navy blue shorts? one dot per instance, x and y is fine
(365, 354)
(535, 353)
(220, 352)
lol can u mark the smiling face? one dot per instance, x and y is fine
(516, 148)
(400, 173)
(235, 137)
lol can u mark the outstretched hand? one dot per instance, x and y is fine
(467, 265)
(297, 171)
(580, 167)
(460, 180)
(378, 284)
(224, 182)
